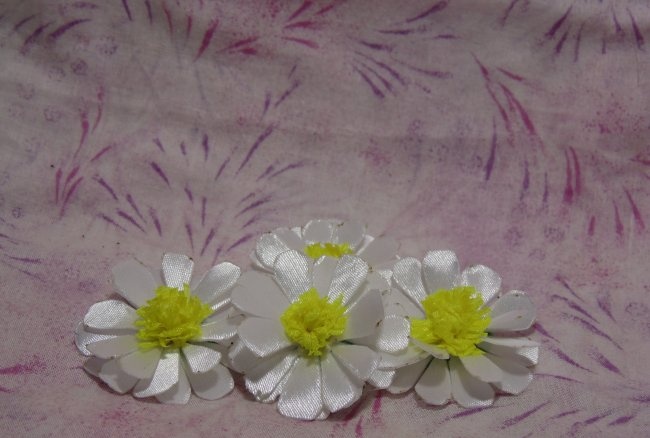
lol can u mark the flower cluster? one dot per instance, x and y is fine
(326, 310)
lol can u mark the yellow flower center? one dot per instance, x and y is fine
(319, 249)
(313, 322)
(170, 319)
(455, 321)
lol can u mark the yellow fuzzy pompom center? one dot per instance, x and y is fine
(313, 322)
(455, 321)
(170, 319)
(319, 249)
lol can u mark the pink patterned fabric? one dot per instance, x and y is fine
(514, 132)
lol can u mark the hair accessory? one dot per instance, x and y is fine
(326, 310)
(170, 337)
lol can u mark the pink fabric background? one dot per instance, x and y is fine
(512, 131)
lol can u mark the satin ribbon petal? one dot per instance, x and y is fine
(140, 364)
(179, 394)
(112, 374)
(482, 368)
(513, 311)
(380, 251)
(363, 316)
(483, 279)
(339, 390)
(440, 270)
(257, 294)
(407, 273)
(212, 384)
(134, 282)
(435, 384)
(349, 275)
(113, 347)
(200, 358)
(406, 377)
(217, 281)
(110, 315)
(349, 232)
(263, 337)
(468, 391)
(177, 270)
(318, 230)
(360, 360)
(301, 397)
(165, 376)
(293, 272)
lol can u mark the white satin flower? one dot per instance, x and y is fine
(170, 338)
(310, 332)
(327, 237)
(463, 341)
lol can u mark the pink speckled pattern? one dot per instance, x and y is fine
(514, 132)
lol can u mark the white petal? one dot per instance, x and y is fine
(409, 356)
(375, 280)
(200, 358)
(482, 368)
(112, 374)
(407, 273)
(165, 376)
(257, 294)
(268, 247)
(241, 358)
(435, 384)
(219, 330)
(397, 303)
(179, 394)
(267, 374)
(323, 414)
(440, 270)
(134, 282)
(323, 273)
(177, 270)
(360, 360)
(293, 272)
(110, 314)
(82, 338)
(140, 364)
(350, 233)
(318, 230)
(114, 347)
(393, 334)
(93, 365)
(301, 397)
(339, 390)
(349, 275)
(431, 349)
(217, 281)
(515, 378)
(380, 251)
(291, 238)
(212, 384)
(467, 390)
(263, 336)
(406, 377)
(485, 281)
(521, 350)
(381, 379)
(364, 316)
(513, 311)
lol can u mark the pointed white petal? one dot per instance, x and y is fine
(406, 377)
(301, 397)
(485, 281)
(468, 391)
(218, 330)
(217, 281)
(407, 273)
(513, 311)
(291, 238)
(212, 384)
(93, 365)
(263, 336)
(114, 347)
(520, 350)
(482, 368)
(293, 272)
(134, 282)
(266, 374)
(241, 358)
(323, 273)
(349, 275)
(110, 314)
(380, 251)
(257, 294)
(339, 389)
(112, 374)
(140, 364)
(364, 316)
(179, 394)
(440, 270)
(165, 376)
(381, 379)
(434, 351)
(360, 360)
(393, 334)
(82, 338)
(318, 230)
(200, 358)
(268, 247)
(323, 415)
(435, 384)
(516, 377)
(349, 232)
